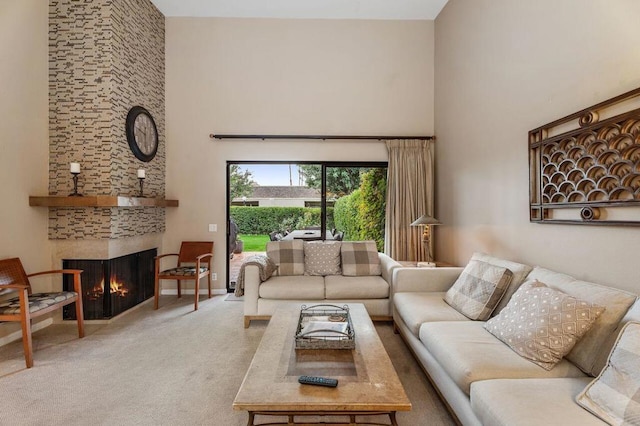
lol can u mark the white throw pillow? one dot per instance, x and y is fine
(542, 324)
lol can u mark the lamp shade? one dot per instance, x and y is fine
(426, 220)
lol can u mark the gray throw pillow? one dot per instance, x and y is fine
(322, 258)
(478, 289)
(613, 395)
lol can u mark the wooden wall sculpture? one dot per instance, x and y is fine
(585, 168)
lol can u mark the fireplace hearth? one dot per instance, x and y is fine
(110, 287)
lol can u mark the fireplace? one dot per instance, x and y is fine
(110, 287)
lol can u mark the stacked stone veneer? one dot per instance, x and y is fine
(105, 56)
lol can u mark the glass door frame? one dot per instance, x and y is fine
(323, 193)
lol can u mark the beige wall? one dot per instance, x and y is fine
(24, 143)
(255, 76)
(503, 68)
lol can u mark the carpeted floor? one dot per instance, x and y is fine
(172, 366)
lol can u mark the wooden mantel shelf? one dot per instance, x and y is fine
(100, 201)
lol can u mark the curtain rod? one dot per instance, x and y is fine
(323, 137)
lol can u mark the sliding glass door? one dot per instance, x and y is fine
(301, 200)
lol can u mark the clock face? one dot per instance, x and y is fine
(142, 133)
(145, 133)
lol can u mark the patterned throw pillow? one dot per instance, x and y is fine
(360, 258)
(288, 255)
(478, 289)
(542, 324)
(614, 395)
(322, 258)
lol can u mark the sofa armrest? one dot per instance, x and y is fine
(424, 279)
(387, 264)
(251, 289)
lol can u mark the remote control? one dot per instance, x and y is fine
(318, 381)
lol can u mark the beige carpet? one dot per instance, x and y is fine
(173, 366)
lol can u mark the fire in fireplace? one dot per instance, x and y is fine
(112, 286)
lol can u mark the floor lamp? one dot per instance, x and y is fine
(425, 221)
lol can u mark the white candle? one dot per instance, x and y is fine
(141, 174)
(75, 168)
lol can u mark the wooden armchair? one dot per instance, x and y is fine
(194, 262)
(28, 305)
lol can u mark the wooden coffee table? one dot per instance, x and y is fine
(368, 384)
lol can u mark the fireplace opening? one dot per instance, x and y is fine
(110, 287)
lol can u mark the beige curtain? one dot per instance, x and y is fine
(409, 195)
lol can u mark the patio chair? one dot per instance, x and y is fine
(275, 236)
(194, 263)
(28, 305)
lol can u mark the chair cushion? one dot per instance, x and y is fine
(292, 288)
(322, 258)
(183, 271)
(360, 258)
(478, 289)
(288, 255)
(341, 287)
(530, 402)
(543, 324)
(614, 394)
(37, 302)
(468, 353)
(416, 308)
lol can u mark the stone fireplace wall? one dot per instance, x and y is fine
(105, 56)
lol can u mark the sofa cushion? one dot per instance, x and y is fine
(416, 308)
(614, 396)
(360, 258)
(530, 402)
(468, 353)
(292, 288)
(322, 258)
(591, 352)
(478, 289)
(288, 255)
(543, 324)
(341, 287)
(519, 271)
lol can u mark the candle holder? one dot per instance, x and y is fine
(75, 185)
(141, 179)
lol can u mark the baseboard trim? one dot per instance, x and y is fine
(17, 335)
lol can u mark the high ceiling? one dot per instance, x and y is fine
(304, 9)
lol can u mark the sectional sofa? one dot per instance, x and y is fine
(319, 272)
(485, 381)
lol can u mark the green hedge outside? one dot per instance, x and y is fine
(361, 214)
(263, 220)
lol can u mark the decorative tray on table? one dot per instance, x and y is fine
(325, 327)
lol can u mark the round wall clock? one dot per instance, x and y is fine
(142, 133)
